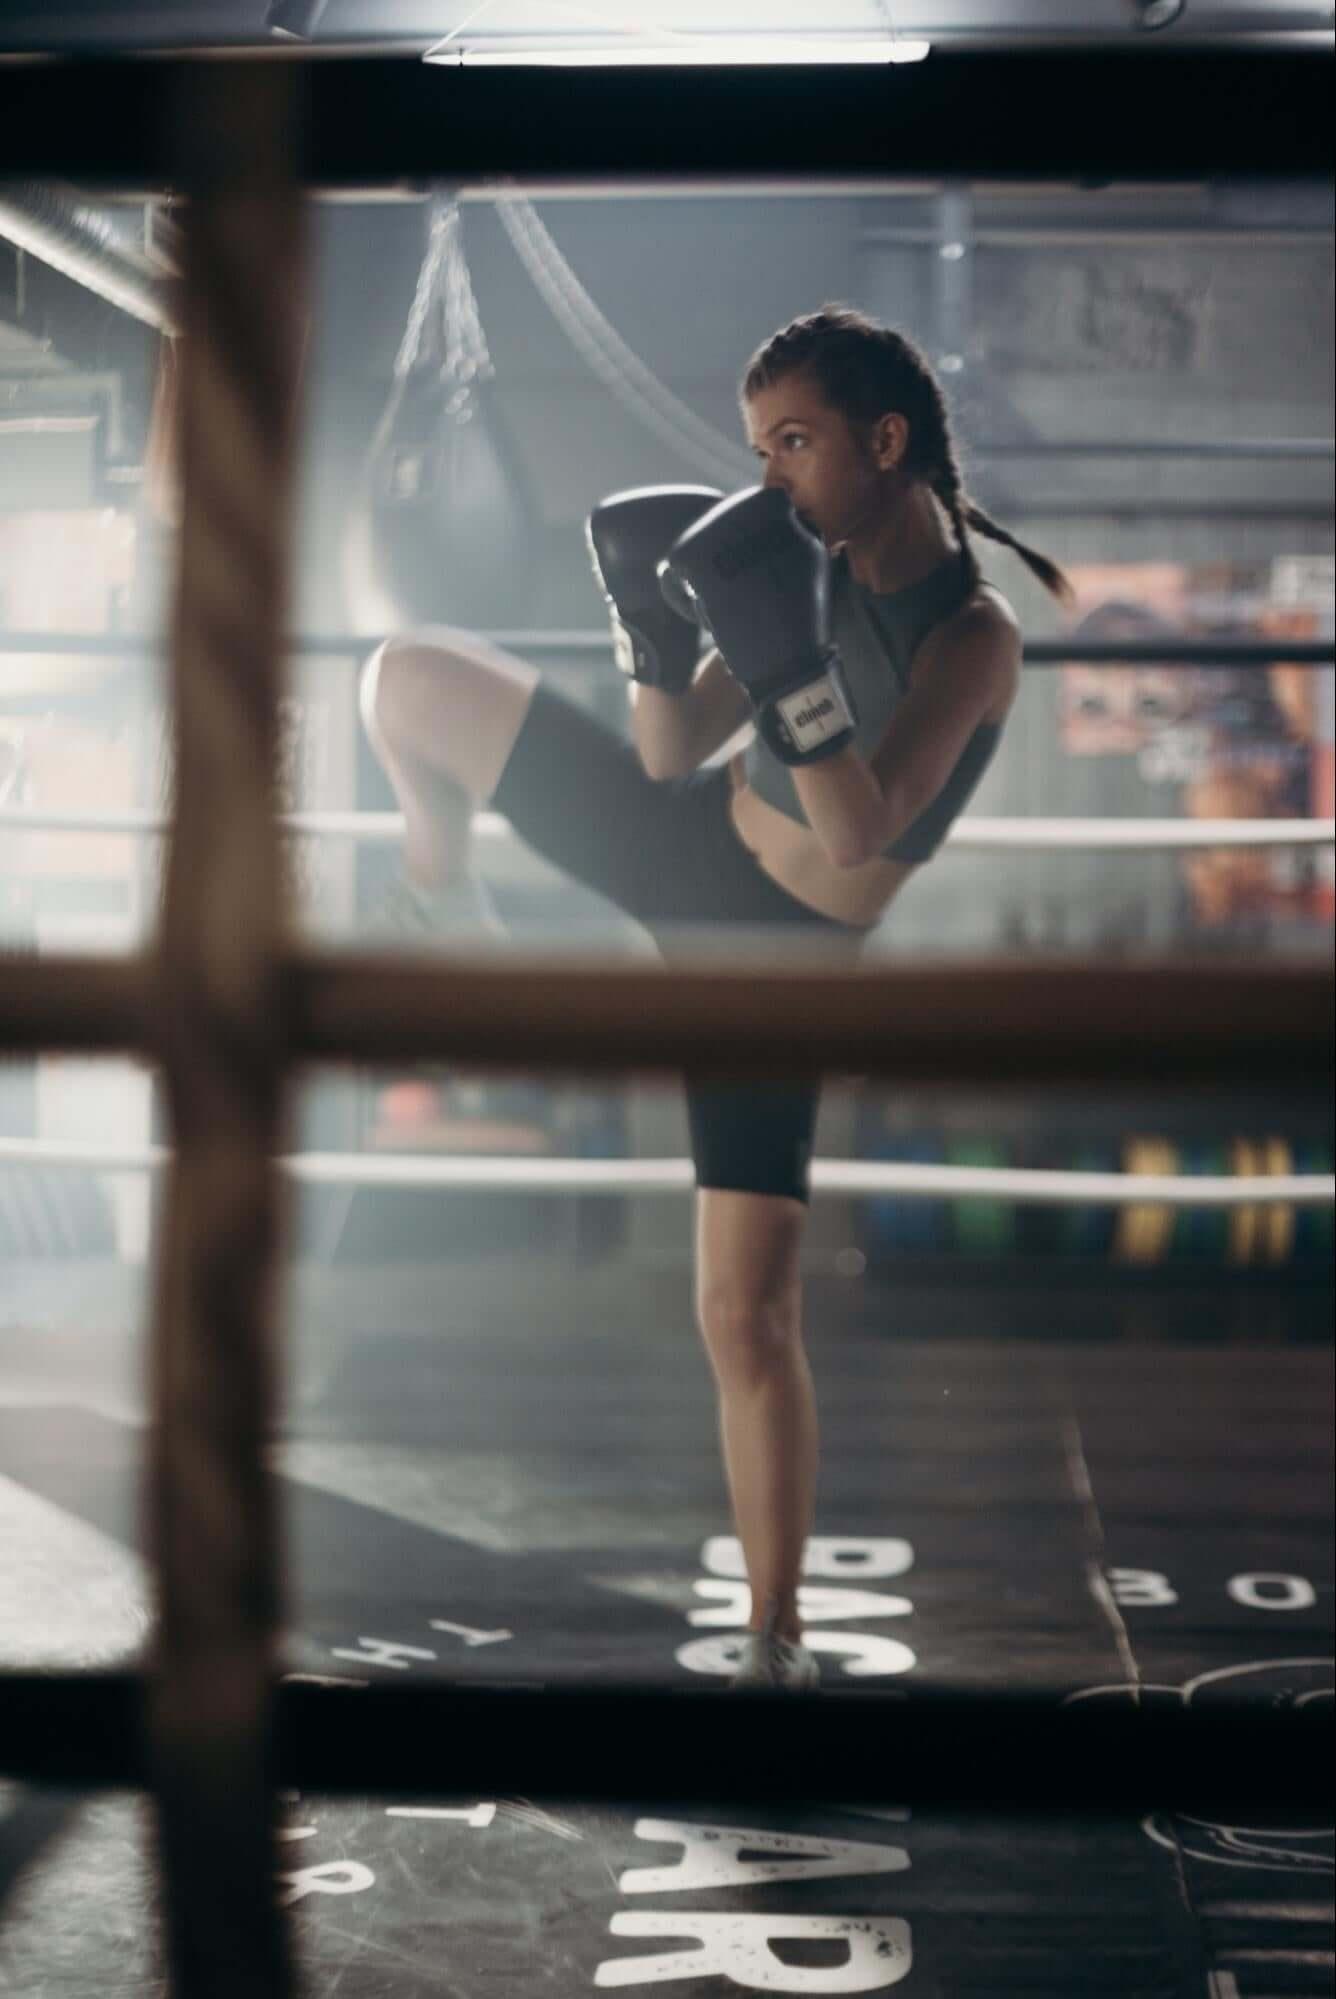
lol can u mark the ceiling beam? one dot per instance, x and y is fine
(1178, 115)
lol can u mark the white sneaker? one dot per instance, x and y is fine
(457, 915)
(767, 1660)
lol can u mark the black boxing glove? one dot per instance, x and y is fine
(761, 582)
(627, 534)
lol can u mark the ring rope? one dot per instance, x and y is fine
(468, 1173)
(1210, 655)
(222, 1028)
(971, 834)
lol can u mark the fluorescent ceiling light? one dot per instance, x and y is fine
(707, 51)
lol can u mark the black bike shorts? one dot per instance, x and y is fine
(667, 854)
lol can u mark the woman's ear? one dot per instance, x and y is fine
(890, 440)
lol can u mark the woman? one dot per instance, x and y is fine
(851, 428)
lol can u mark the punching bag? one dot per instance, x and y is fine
(446, 527)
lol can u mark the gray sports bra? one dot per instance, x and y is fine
(877, 638)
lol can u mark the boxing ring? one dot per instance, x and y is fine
(225, 1004)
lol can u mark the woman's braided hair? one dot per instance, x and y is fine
(865, 370)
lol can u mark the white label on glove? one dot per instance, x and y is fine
(815, 713)
(623, 650)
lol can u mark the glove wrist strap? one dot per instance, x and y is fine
(811, 716)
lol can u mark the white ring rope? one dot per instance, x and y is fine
(470, 1174)
(973, 834)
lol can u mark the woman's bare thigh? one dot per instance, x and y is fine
(448, 701)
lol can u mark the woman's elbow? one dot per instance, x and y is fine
(658, 768)
(848, 854)
(850, 846)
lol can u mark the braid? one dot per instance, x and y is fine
(949, 487)
(864, 370)
(949, 490)
(1054, 579)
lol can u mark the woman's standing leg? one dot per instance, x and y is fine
(749, 1309)
(444, 713)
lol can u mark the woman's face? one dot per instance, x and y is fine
(811, 452)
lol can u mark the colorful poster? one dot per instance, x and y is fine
(1247, 742)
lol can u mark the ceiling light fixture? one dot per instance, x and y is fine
(1152, 14)
(706, 51)
(293, 20)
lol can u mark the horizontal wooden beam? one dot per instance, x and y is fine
(92, 1006)
(928, 1745)
(1003, 1022)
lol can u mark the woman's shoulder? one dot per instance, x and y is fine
(985, 609)
(982, 639)
(983, 622)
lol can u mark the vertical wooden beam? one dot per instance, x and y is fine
(212, 1516)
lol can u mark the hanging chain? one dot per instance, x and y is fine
(444, 324)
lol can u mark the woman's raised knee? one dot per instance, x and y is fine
(406, 684)
(446, 699)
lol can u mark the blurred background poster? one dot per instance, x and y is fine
(1238, 743)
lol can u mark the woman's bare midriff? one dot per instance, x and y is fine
(793, 857)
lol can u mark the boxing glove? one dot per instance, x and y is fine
(761, 582)
(627, 535)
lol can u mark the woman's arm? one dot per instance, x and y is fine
(675, 733)
(857, 807)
